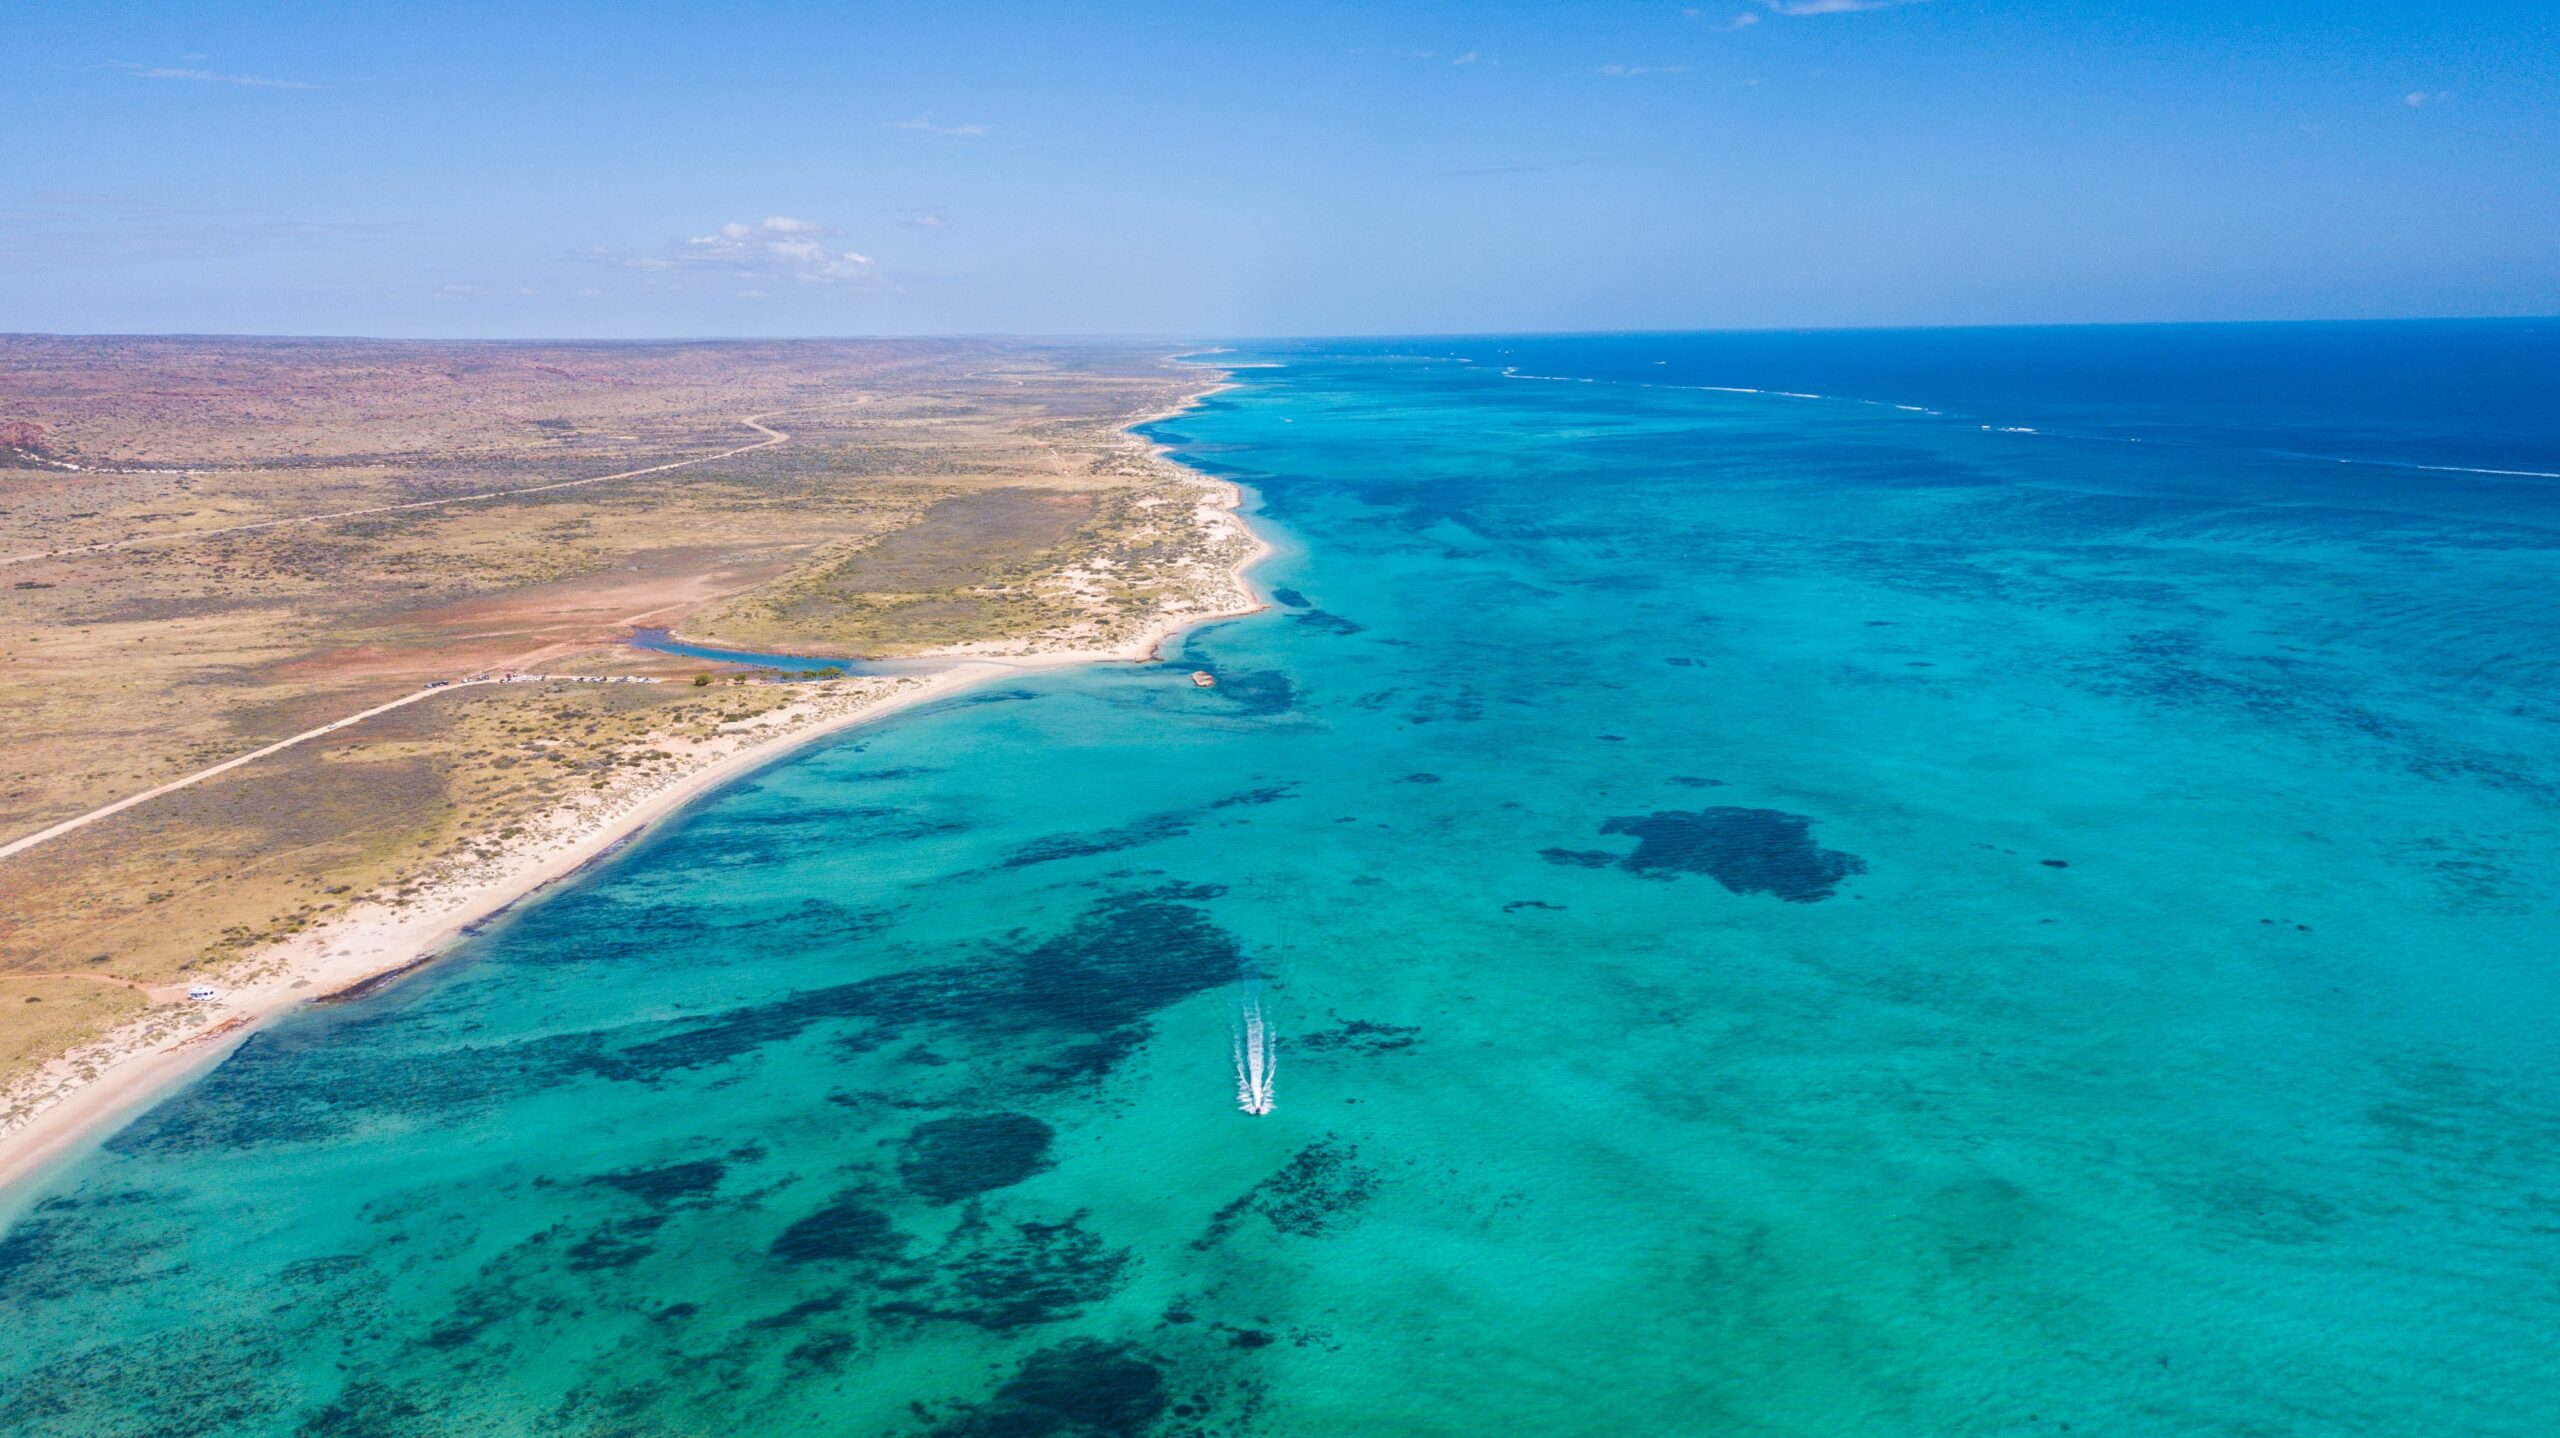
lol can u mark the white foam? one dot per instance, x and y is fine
(1513, 372)
(1257, 1055)
(2467, 469)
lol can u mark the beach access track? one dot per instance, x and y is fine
(21, 845)
(754, 422)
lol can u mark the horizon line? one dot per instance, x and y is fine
(1198, 337)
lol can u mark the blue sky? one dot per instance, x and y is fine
(1219, 168)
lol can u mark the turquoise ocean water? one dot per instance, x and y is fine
(1773, 915)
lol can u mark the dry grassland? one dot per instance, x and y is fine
(928, 495)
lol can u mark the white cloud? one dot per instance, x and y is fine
(774, 249)
(1833, 7)
(778, 247)
(927, 125)
(929, 220)
(1463, 57)
(208, 77)
(1642, 70)
(2418, 98)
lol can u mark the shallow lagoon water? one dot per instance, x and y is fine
(660, 641)
(1780, 916)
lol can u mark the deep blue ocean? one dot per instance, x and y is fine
(1928, 883)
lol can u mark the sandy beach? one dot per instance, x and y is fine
(80, 1098)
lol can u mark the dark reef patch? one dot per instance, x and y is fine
(1053, 1011)
(1152, 829)
(495, 1296)
(666, 1185)
(955, 1158)
(327, 1268)
(1361, 1037)
(73, 1244)
(1080, 1389)
(1060, 1010)
(1289, 598)
(598, 927)
(184, 1381)
(894, 771)
(1579, 858)
(1327, 623)
(614, 1245)
(848, 1230)
(1006, 1276)
(824, 1353)
(1319, 1192)
(35, 1258)
(799, 1314)
(893, 825)
(1749, 851)
(366, 1408)
(813, 921)
(1248, 798)
(270, 1090)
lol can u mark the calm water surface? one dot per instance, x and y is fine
(1780, 916)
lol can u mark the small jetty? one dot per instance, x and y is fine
(1204, 679)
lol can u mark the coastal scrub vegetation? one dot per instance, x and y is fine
(211, 545)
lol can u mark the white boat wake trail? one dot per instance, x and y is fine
(1257, 1056)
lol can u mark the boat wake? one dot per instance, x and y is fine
(1257, 1056)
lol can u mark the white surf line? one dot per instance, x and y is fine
(21, 845)
(753, 422)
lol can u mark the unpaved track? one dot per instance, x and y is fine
(21, 845)
(754, 422)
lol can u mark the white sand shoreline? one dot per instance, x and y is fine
(87, 1095)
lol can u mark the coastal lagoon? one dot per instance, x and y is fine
(1854, 884)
